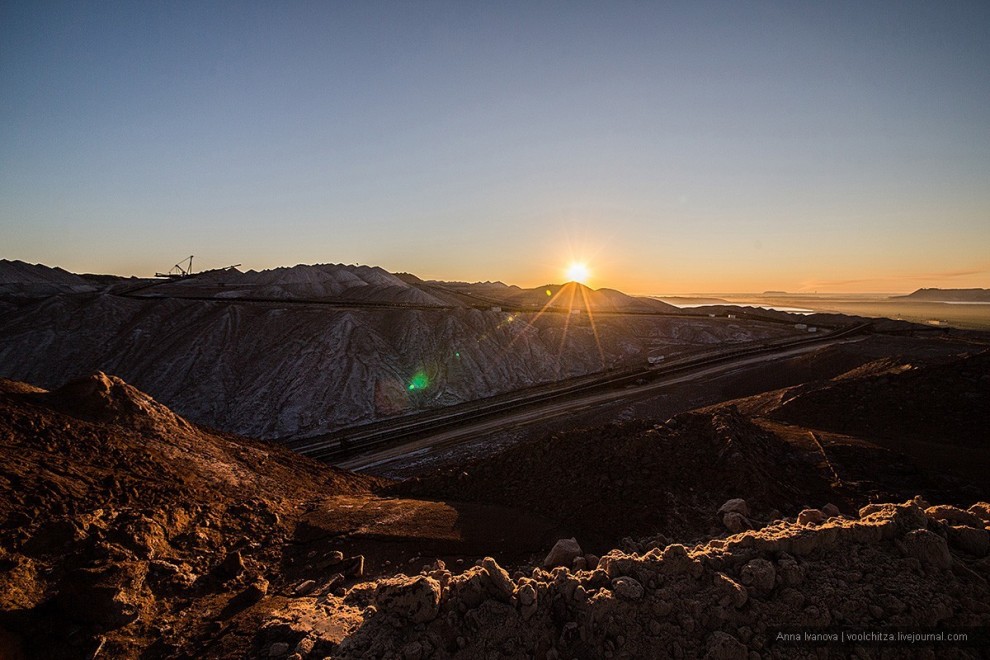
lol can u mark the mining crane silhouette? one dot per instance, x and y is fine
(177, 271)
(184, 269)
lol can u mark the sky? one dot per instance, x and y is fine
(672, 147)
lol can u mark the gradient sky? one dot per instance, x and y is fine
(677, 147)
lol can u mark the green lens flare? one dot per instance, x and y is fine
(420, 381)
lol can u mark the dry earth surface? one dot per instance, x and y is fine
(129, 532)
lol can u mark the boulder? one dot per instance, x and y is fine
(730, 591)
(501, 584)
(927, 547)
(232, 566)
(414, 599)
(811, 517)
(972, 541)
(951, 515)
(735, 505)
(831, 511)
(469, 588)
(563, 553)
(305, 587)
(736, 522)
(627, 588)
(254, 592)
(982, 511)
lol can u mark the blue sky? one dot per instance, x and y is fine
(673, 146)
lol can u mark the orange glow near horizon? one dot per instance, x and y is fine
(578, 272)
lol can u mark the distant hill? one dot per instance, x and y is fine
(23, 280)
(19, 272)
(947, 295)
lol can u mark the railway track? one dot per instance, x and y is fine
(345, 443)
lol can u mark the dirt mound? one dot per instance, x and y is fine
(102, 398)
(638, 479)
(127, 532)
(890, 565)
(116, 513)
(948, 403)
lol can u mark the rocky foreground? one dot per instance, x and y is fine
(893, 565)
(128, 532)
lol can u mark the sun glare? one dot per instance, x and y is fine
(578, 272)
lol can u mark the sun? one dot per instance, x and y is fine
(578, 272)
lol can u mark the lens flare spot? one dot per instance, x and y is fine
(549, 293)
(420, 381)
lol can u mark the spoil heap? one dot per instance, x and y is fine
(891, 565)
(637, 479)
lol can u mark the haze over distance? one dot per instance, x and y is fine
(670, 148)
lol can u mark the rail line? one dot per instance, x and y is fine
(356, 440)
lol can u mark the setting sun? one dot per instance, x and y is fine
(578, 272)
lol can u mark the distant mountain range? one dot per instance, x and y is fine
(947, 295)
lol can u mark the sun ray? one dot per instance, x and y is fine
(567, 318)
(594, 328)
(537, 317)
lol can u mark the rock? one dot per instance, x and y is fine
(580, 564)
(563, 553)
(927, 547)
(732, 593)
(870, 509)
(759, 574)
(811, 517)
(972, 541)
(277, 649)
(736, 522)
(141, 534)
(831, 511)
(982, 511)
(591, 562)
(232, 566)
(414, 599)
(254, 592)
(469, 588)
(736, 505)
(525, 594)
(627, 588)
(305, 587)
(304, 647)
(723, 646)
(675, 560)
(904, 517)
(500, 581)
(954, 516)
(331, 559)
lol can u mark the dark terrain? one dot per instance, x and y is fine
(842, 487)
(129, 532)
